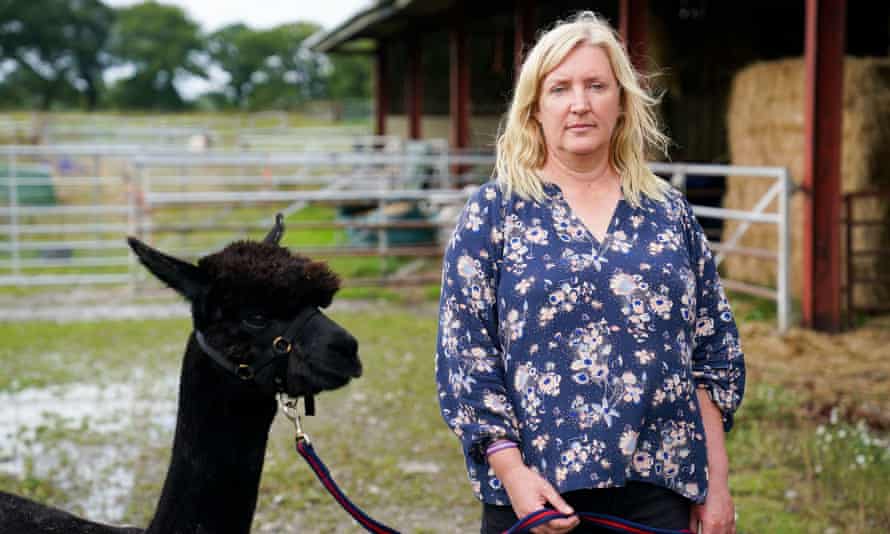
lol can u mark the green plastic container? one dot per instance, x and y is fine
(34, 186)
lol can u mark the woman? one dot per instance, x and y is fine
(587, 356)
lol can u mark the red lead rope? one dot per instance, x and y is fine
(524, 525)
(308, 453)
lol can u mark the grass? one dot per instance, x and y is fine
(790, 473)
(750, 308)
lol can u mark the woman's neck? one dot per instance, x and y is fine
(576, 175)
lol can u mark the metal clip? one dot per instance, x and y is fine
(288, 406)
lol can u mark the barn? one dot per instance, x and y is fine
(805, 80)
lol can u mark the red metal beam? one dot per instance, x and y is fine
(414, 87)
(460, 85)
(632, 23)
(524, 26)
(824, 58)
(381, 95)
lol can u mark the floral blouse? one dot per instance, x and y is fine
(585, 353)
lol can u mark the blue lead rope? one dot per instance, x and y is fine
(524, 525)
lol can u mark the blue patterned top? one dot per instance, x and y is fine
(587, 354)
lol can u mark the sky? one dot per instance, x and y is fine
(261, 14)
(212, 15)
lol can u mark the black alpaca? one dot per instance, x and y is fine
(244, 299)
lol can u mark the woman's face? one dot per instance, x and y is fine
(579, 104)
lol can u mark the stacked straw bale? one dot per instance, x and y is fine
(766, 127)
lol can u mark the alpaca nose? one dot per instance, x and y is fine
(348, 347)
(351, 346)
(352, 352)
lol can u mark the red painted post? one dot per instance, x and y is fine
(824, 58)
(460, 86)
(414, 87)
(381, 95)
(523, 31)
(632, 23)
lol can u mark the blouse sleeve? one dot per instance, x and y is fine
(718, 364)
(469, 365)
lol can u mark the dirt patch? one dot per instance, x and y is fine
(847, 373)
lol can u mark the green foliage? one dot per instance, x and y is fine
(350, 76)
(161, 43)
(57, 49)
(267, 68)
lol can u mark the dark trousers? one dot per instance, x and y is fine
(639, 502)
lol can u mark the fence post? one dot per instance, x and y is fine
(784, 292)
(14, 214)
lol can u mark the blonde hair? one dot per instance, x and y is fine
(521, 150)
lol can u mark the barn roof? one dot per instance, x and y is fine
(379, 20)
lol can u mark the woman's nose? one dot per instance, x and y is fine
(579, 102)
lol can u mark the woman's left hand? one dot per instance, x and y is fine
(717, 514)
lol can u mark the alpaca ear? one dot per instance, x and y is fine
(274, 235)
(185, 278)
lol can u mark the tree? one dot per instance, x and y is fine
(230, 48)
(92, 29)
(57, 46)
(162, 45)
(292, 76)
(268, 68)
(349, 77)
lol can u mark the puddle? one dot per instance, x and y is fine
(86, 438)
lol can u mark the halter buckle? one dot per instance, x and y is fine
(281, 345)
(244, 372)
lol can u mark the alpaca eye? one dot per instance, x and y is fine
(256, 322)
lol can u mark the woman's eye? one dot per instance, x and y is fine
(557, 89)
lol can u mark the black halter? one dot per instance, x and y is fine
(272, 347)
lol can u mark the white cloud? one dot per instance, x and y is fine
(213, 14)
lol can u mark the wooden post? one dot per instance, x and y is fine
(460, 86)
(632, 22)
(414, 87)
(523, 31)
(381, 95)
(824, 58)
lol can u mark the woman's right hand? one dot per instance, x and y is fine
(529, 492)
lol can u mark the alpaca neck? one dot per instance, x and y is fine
(218, 451)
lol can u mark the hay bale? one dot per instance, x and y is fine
(765, 121)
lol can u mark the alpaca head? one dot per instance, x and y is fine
(256, 305)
